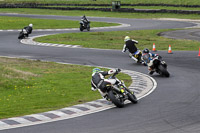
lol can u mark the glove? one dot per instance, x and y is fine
(158, 56)
(93, 89)
(118, 70)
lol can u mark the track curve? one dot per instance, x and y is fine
(172, 108)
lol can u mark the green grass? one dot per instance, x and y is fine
(99, 13)
(20, 22)
(185, 2)
(28, 87)
(114, 40)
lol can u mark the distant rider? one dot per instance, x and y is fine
(28, 29)
(130, 46)
(147, 58)
(99, 82)
(85, 20)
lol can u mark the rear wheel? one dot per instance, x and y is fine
(115, 98)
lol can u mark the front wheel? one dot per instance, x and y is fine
(88, 28)
(132, 98)
(21, 35)
(81, 28)
(163, 71)
(115, 98)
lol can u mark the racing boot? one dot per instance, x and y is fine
(104, 95)
(151, 71)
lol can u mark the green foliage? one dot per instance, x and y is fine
(28, 87)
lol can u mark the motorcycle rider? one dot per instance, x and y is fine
(28, 29)
(85, 20)
(130, 46)
(147, 58)
(98, 81)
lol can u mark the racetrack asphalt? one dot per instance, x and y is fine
(172, 108)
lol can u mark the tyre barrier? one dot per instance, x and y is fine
(58, 4)
(132, 10)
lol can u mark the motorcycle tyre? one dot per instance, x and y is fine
(117, 102)
(81, 28)
(132, 98)
(139, 58)
(163, 71)
(21, 36)
(88, 28)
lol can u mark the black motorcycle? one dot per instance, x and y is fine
(23, 34)
(118, 93)
(84, 25)
(158, 64)
(138, 55)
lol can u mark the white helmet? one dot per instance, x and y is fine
(127, 38)
(31, 25)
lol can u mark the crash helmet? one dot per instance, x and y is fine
(31, 25)
(96, 70)
(146, 50)
(84, 16)
(127, 38)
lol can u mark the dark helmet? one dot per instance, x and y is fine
(146, 50)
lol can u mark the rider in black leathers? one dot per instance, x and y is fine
(130, 46)
(29, 29)
(85, 20)
(98, 81)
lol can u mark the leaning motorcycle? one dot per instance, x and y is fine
(84, 25)
(158, 64)
(138, 55)
(119, 93)
(23, 34)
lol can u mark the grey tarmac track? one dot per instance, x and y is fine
(190, 34)
(172, 108)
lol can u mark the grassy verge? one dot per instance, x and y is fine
(114, 40)
(20, 22)
(99, 13)
(28, 87)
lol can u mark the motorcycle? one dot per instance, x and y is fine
(137, 55)
(118, 93)
(84, 25)
(23, 34)
(158, 64)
